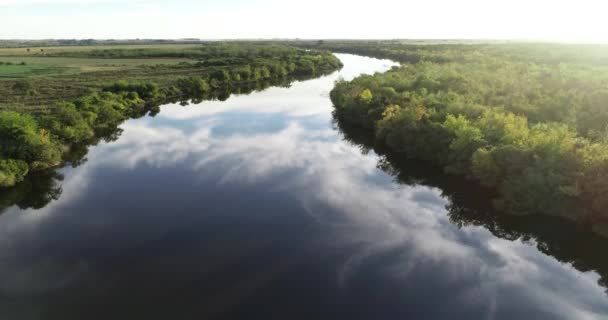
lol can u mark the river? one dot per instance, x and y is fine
(260, 207)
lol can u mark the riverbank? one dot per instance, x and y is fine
(39, 137)
(208, 197)
(524, 121)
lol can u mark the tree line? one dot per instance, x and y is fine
(471, 205)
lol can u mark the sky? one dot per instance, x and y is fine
(551, 20)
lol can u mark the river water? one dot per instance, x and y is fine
(260, 207)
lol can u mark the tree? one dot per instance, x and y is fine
(22, 139)
(467, 140)
(366, 96)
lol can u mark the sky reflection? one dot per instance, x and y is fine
(189, 203)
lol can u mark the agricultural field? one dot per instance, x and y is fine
(37, 61)
(34, 78)
(55, 50)
(35, 66)
(19, 69)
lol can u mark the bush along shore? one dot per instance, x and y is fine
(34, 141)
(534, 131)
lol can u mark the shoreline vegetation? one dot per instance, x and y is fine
(529, 122)
(52, 119)
(470, 204)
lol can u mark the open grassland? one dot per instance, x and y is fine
(41, 92)
(39, 84)
(85, 64)
(34, 78)
(45, 51)
(19, 63)
(17, 70)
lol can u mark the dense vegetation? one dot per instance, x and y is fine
(466, 51)
(32, 141)
(471, 205)
(529, 121)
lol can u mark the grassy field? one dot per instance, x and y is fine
(17, 71)
(66, 83)
(50, 79)
(46, 66)
(42, 51)
(34, 78)
(47, 61)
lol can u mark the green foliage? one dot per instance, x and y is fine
(485, 168)
(503, 128)
(467, 139)
(145, 90)
(12, 172)
(366, 96)
(533, 127)
(193, 86)
(593, 186)
(463, 52)
(69, 124)
(35, 141)
(22, 139)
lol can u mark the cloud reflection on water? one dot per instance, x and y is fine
(402, 236)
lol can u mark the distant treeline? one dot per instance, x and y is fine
(528, 120)
(540, 53)
(36, 141)
(216, 50)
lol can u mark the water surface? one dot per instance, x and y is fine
(259, 207)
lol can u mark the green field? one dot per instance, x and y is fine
(54, 50)
(51, 74)
(31, 70)
(36, 66)
(50, 61)
(58, 60)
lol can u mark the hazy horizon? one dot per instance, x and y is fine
(446, 40)
(544, 21)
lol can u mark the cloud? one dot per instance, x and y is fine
(392, 242)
